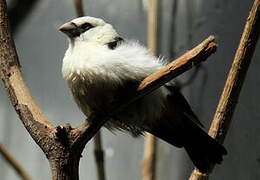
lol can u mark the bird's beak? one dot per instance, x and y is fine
(70, 29)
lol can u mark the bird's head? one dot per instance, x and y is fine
(89, 29)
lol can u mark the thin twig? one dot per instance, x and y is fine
(172, 29)
(152, 30)
(230, 95)
(79, 8)
(99, 156)
(150, 146)
(150, 157)
(14, 163)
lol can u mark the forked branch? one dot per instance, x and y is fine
(63, 145)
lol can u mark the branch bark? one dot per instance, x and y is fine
(63, 145)
(150, 157)
(99, 156)
(16, 87)
(14, 163)
(150, 145)
(230, 95)
(79, 8)
(53, 141)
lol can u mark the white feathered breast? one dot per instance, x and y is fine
(94, 73)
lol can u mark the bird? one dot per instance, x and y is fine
(101, 68)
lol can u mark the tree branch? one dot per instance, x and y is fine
(16, 87)
(150, 144)
(38, 126)
(230, 95)
(150, 157)
(79, 8)
(63, 145)
(14, 163)
(99, 156)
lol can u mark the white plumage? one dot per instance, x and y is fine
(95, 73)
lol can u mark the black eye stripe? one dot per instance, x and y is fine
(79, 29)
(113, 44)
(86, 26)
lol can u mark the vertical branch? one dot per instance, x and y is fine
(79, 8)
(172, 32)
(99, 156)
(14, 163)
(237, 74)
(229, 98)
(149, 162)
(152, 26)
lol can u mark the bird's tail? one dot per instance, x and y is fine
(180, 127)
(202, 149)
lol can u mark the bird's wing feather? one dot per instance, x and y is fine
(183, 105)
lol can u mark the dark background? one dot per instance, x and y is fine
(183, 24)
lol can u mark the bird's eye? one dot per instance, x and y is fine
(86, 26)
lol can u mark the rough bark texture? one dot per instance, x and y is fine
(234, 82)
(237, 74)
(11, 75)
(63, 145)
(41, 130)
